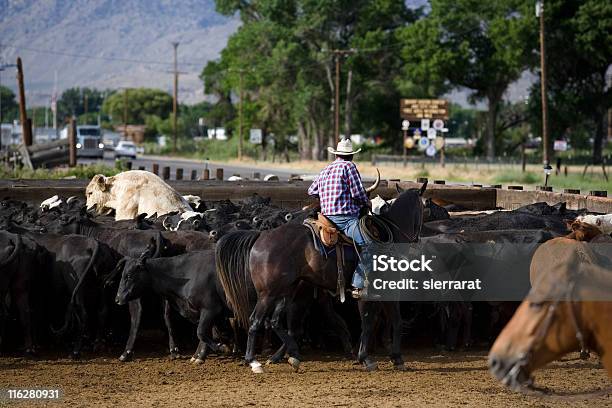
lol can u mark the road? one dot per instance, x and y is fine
(188, 165)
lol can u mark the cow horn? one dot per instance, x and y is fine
(212, 234)
(167, 226)
(288, 217)
(376, 183)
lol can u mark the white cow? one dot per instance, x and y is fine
(133, 192)
(603, 222)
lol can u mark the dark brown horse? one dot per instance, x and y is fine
(567, 309)
(275, 261)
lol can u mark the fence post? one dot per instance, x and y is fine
(179, 174)
(156, 169)
(220, 174)
(206, 174)
(129, 165)
(194, 174)
(141, 168)
(166, 173)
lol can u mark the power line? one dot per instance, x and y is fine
(116, 59)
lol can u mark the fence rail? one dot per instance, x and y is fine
(294, 195)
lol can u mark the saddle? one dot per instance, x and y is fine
(328, 233)
(325, 232)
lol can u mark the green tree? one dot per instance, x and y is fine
(141, 102)
(77, 101)
(286, 48)
(578, 50)
(10, 108)
(480, 45)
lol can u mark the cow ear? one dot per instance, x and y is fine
(398, 189)
(423, 188)
(100, 181)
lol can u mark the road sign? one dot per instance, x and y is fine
(560, 146)
(417, 134)
(431, 133)
(423, 143)
(430, 151)
(255, 136)
(409, 143)
(405, 124)
(438, 124)
(416, 109)
(424, 124)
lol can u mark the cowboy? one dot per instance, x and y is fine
(342, 197)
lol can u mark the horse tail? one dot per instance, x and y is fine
(70, 309)
(233, 271)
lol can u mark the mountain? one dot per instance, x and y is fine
(126, 43)
(111, 43)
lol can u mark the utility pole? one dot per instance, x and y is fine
(337, 55)
(175, 99)
(545, 141)
(241, 71)
(26, 124)
(125, 112)
(54, 103)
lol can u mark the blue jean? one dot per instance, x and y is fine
(349, 224)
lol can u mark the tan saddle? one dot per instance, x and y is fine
(328, 231)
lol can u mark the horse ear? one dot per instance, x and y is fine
(423, 188)
(100, 181)
(399, 189)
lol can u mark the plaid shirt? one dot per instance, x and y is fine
(339, 189)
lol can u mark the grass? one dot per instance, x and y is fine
(79, 172)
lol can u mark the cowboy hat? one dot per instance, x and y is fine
(345, 148)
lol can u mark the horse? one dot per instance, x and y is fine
(566, 310)
(273, 262)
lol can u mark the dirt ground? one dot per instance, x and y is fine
(451, 379)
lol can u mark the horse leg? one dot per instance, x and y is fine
(135, 314)
(257, 320)
(22, 300)
(283, 334)
(367, 314)
(174, 351)
(393, 309)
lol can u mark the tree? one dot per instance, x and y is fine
(141, 102)
(77, 101)
(10, 108)
(578, 49)
(480, 45)
(286, 47)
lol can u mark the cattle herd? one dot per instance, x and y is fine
(68, 276)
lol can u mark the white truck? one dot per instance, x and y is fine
(89, 141)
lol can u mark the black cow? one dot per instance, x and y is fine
(21, 259)
(188, 282)
(80, 265)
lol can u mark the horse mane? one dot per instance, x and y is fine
(233, 270)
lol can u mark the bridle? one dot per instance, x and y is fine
(528, 388)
